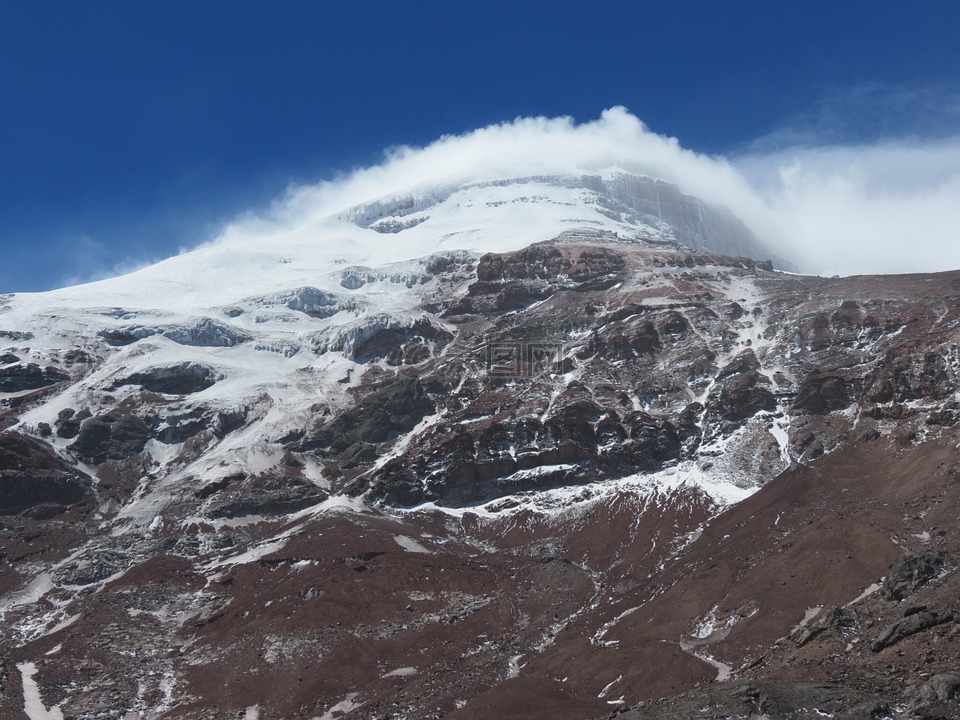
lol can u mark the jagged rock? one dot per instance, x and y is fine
(821, 395)
(502, 297)
(745, 362)
(512, 281)
(359, 453)
(674, 325)
(940, 688)
(180, 379)
(409, 344)
(217, 485)
(870, 710)
(16, 378)
(32, 475)
(743, 395)
(177, 425)
(543, 262)
(385, 412)
(114, 436)
(904, 375)
(833, 619)
(8, 358)
(627, 341)
(910, 625)
(69, 421)
(400, 489)
(655, 441)
(911, 571)
(16, 335)
(291, 496)
(205, 332)
(771, 700)
(946, 416)
(93, 566)
(937, 698)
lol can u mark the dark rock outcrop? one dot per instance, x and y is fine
(274, 499)
(113, 436)
(911, 571)
(821, 395)
(16, 378)
(743, 395)
(380, 416)
(32, 475)
(181, 379)
(938, 697)
(834, 619)
(910, 625)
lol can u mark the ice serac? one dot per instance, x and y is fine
(550, 446)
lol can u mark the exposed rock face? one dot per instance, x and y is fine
(205, 332)
(822, 395)
(394, 408)
(15, 378)
(180, 379)
(31, 475)
(261, 499)
(113, 436)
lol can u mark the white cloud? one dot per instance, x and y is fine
(886, 207)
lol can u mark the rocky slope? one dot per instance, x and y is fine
(504, 450)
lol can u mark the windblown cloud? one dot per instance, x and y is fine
(886, 207)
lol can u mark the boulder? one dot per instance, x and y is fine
(911, 571)
(910, 625)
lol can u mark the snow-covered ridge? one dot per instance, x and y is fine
(492, 216)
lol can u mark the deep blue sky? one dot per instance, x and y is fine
(130, 129)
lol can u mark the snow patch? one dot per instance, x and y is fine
(808, 616)
(865, 594)
(32, 704)
(514, 666)
(411, 545)
(345, 706)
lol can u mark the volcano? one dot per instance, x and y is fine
(560, 446)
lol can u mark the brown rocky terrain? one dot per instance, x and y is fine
(596, 477)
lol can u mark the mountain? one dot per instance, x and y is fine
(528, 447)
